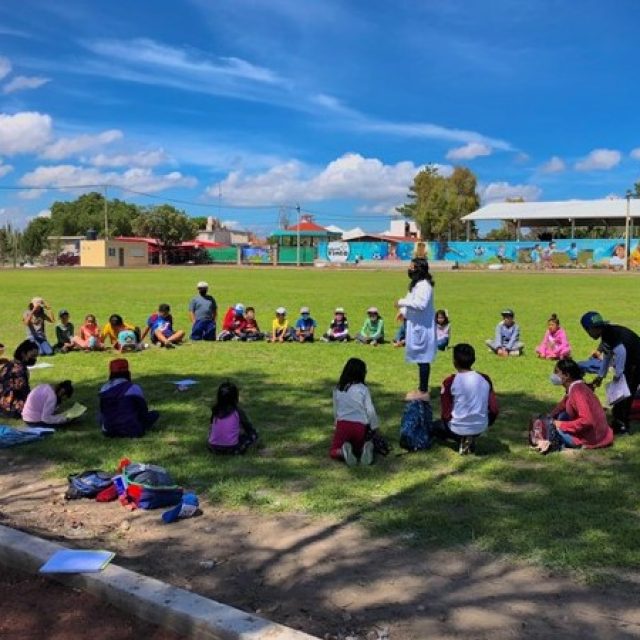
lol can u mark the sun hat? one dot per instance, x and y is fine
(372, 310)
(120, 365)
(592, 319)
(37, 300)
(305, 310)
(281, 311)
(202, 285)
(339, 310)
(63, 312)
(239, 308)
(507, 312)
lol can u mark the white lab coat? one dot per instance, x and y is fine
(421, 344)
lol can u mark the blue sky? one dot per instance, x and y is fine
(242, 105)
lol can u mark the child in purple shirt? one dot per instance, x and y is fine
(231, 430)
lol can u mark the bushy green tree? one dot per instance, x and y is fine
(34, 238)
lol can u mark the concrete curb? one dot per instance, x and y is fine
(185, 613)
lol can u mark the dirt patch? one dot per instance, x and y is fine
(34, 608)
(325, 576)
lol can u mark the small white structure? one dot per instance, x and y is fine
(402, 228)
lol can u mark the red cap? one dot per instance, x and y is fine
(119, 366)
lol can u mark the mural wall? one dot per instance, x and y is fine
(558, 253)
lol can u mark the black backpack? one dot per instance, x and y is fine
(88, 484)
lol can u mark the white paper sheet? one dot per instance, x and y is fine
(617, 391)
(77, 561)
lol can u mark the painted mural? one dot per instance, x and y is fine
(558, 253)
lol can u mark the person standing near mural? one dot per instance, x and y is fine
(421, 343)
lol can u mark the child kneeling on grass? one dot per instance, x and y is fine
(231, 430)
(354, 414)
(467, 400)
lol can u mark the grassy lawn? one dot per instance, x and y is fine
(578, 512)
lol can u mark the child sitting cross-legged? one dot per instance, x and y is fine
(468, 403)
(354, 414)
(231, 430)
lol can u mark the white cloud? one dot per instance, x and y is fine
(599, 160)
(151, 158)
(5, 67)
(230, 224)
(635, 153)
(350, 176)
(44, 213)
(500, 191)
(139, 179)
(65, 147)
(5, 169)
(555, 164)
(20, 83)
(24, 132)
(469, 151)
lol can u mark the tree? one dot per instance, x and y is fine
(437, 204)
(504, 232)
(167, 225)
(34, 237)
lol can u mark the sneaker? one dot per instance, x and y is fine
(515, 352)
(366, 457)
(324, 339)
(467, 445)
(169, 345)
(347, 454)
(620, 428)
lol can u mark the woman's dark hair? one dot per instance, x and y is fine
(354, 372)
(23, 348)
(554, 318)
(66, 387)
(442, 312)
(420, 272)
(464, 356)
(570, 368)
(226, 400)
(115, 319)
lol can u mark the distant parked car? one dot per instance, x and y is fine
(68, 260)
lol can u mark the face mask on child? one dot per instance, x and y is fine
(554, 378)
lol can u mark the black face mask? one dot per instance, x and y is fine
(31, 361)
(410, 273)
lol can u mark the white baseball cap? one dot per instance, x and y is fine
(281, 311)
(372, 310)
(305, 310)
(340, 310)
(202, 285)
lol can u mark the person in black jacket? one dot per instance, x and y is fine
(621, 346)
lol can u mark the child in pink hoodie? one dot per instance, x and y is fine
(554, 345)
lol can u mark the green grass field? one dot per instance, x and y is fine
(579, 512)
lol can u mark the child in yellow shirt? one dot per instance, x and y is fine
(280, 329)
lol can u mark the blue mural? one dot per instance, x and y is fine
(558, 253)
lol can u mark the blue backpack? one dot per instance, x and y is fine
(150, 486)
(88, 484)
(415, 428)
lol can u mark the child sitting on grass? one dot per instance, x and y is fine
(231, 431)
(89, 338)
(305, 326)
(64, 334)
(467, 401)
(555, 344)
(372, 331)
(401, 334)
(251, 329)
(280, 329)
(443, 328)
(354, 414)
(507, 339)
(339, 328)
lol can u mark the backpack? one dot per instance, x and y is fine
(150, 486)
(415, 427)
(88, 484)
(380, 444)
(542, 428)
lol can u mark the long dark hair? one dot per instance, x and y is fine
(226, 400)
(570, 368)
(23, 348)
(420, 272)
(354, 372)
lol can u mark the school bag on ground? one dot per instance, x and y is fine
(415, 427)
(542, 428)
(150, 486)
(88, 484)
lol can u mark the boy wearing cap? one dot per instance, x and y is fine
(621, 346)
(507, 339)
(280, 329)
(234, 323)
(305, 326)
(372, 331)
(123, 411)
(339, 328)
(203, 310)
(160, 325)
(64, 334)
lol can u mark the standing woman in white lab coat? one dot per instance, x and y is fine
(421, 342)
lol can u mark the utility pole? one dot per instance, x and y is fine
(106, 214)
(298, 237)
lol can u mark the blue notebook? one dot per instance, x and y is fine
(77, 561)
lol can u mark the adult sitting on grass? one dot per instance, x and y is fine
(35, 319)
(467, 400)
(14, 379)
(123, 410)
(507, 339)
(160, 326)
(42, 403)
(203, 310)
(579, 419)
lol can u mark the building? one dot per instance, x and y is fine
(113, 253)
(403, 229)
(221, 235)
(66, 244)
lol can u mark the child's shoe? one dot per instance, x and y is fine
(467, 445)
(366, 458)
(348, 455)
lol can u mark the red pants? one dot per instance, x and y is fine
(347, 431)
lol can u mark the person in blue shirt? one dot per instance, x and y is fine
(572, 254)
(536, 256)
(160, 326)
(203, 311)
(305, 326)
(507, 339)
